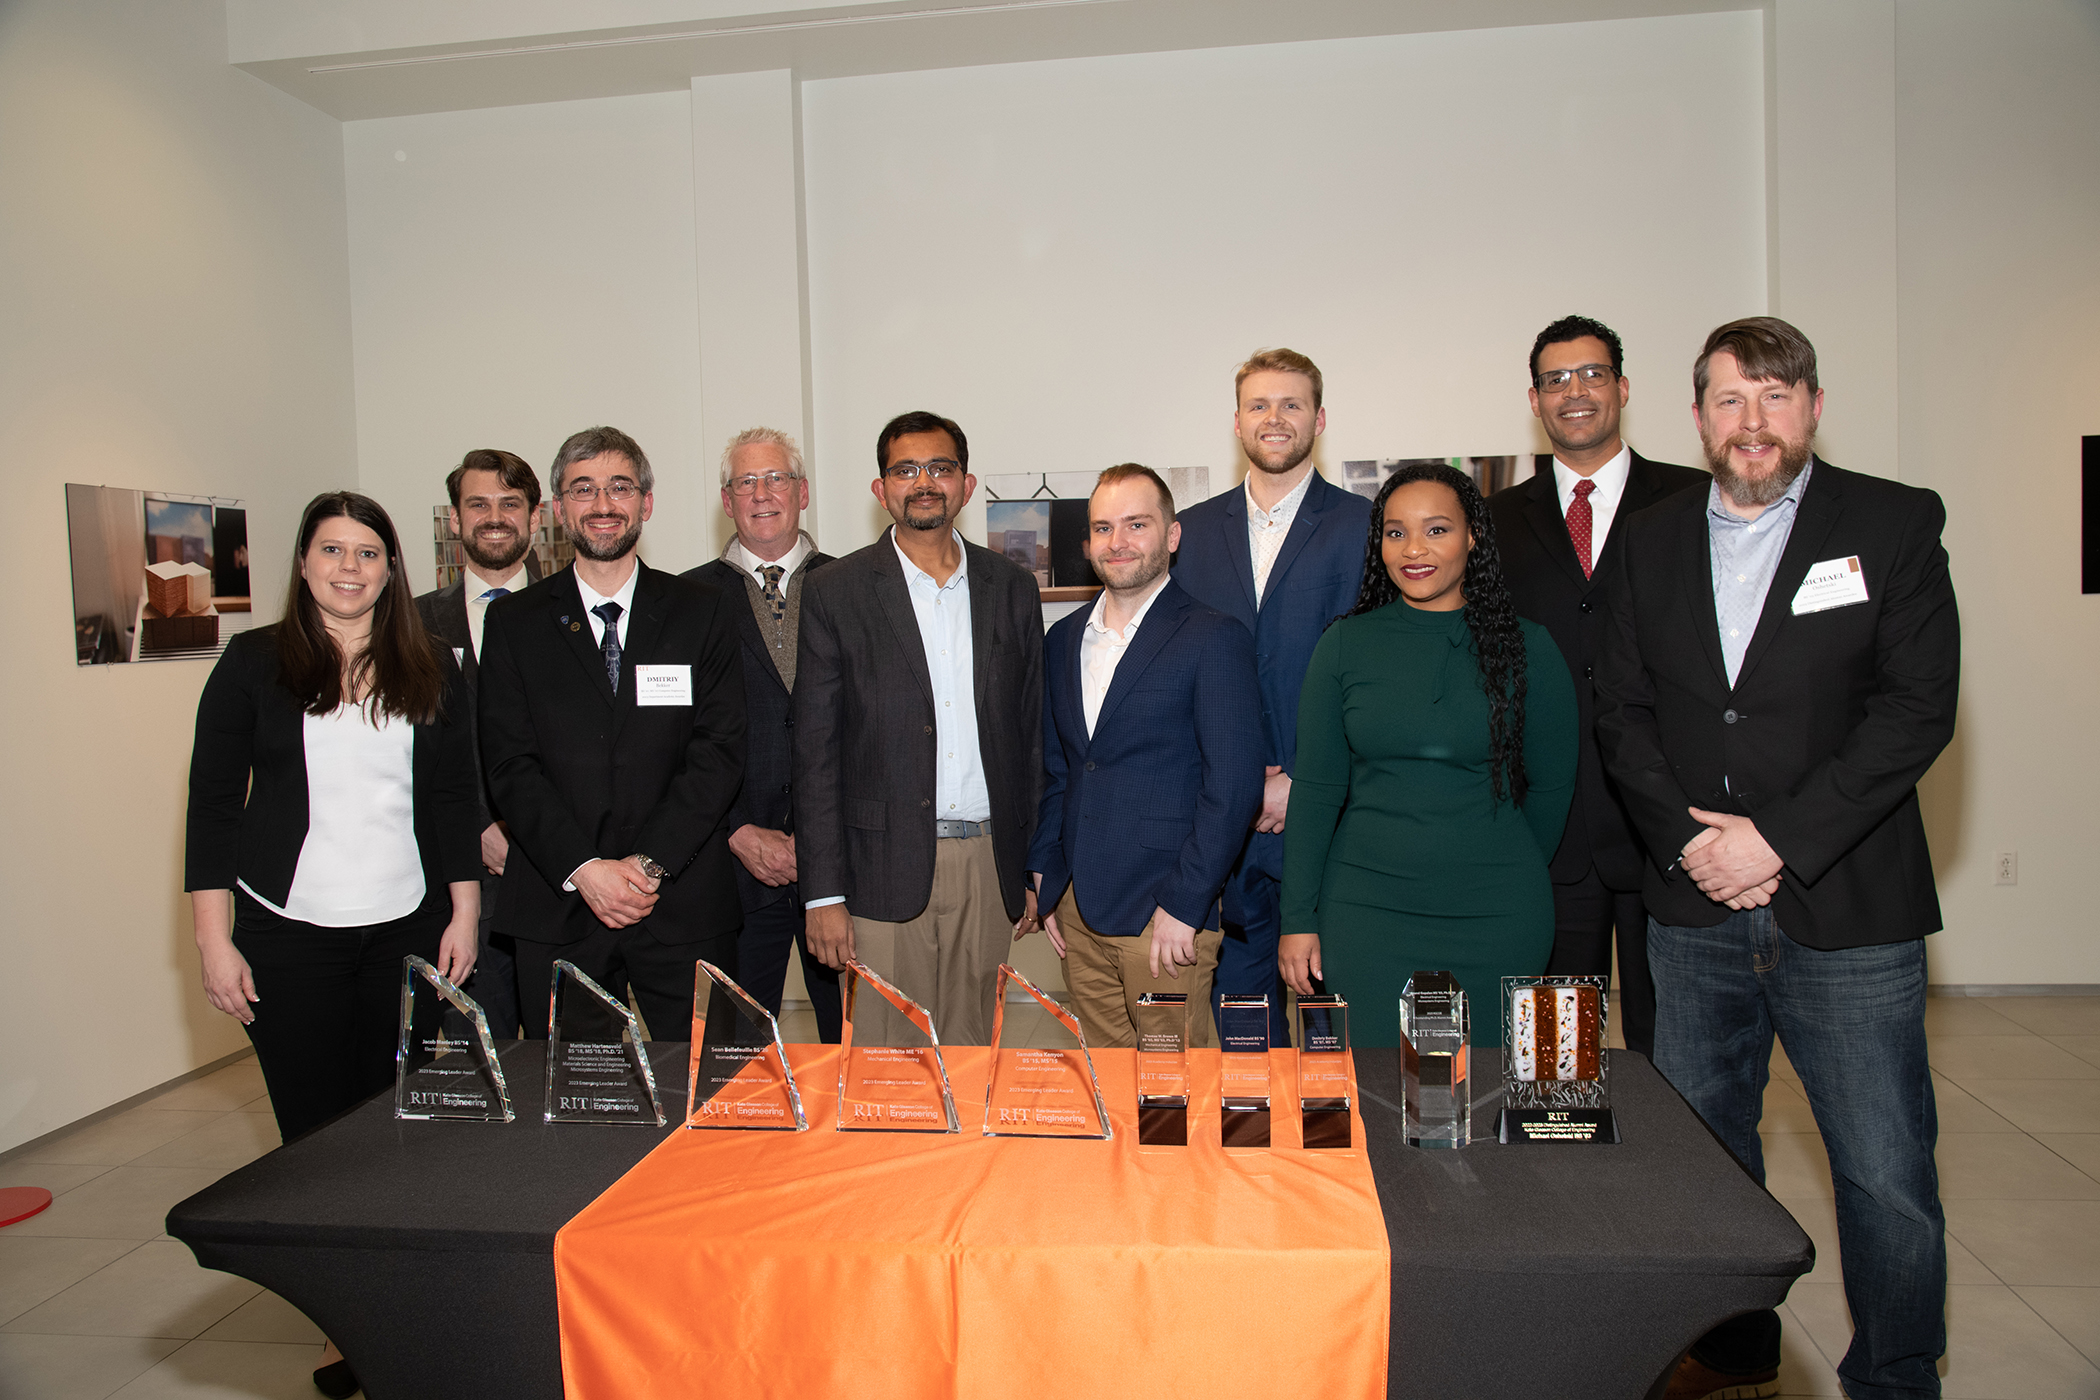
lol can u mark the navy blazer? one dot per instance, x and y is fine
(1152, 809)
(1317, 575)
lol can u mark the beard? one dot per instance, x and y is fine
(1758, 490)
(1299, 451)
(926, 512)
(1137, 573)
(495, 552)
(589, 547)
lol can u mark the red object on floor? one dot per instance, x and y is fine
(21, 1202)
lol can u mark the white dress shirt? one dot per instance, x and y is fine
(624, 597)
(1267, 529)
(478, 606)
(1101, 649)
(359, 863)
(1604, 501)
(742, 558)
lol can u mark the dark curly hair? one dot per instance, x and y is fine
(1498, 642)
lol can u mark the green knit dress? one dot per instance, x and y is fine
(1395, 852)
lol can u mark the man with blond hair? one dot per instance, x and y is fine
(1283, 554)
(764, 492)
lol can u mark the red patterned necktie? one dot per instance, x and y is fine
(1579, 523)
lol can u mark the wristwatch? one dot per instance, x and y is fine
(650, 867)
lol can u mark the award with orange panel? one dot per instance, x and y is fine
(891, 1077)
(1043, 1089)
(738, 1076)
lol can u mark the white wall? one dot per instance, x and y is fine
(171, 244)
(1070, 258)
(1998, 176)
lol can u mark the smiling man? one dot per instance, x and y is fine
(612, 732)
(1282, 554)
(1561, 534)
(1779, 670)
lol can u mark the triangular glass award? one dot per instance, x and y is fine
(739, 1077)
(445, 1063)
(597, 1065)
(1046, 1088)
(900, 1086)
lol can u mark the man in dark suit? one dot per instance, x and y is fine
(764, 491)
(1779, 670)
(1560, 534)
(1152, 746)
(612, 732)
(495, 513)
(1283, 555)
(918, 743)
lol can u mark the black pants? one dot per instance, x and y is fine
(329, 1018)
(660, 975)
(1584, 916)
(762, 962)
(494, 983)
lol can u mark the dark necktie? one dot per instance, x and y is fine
(609, 613)
(493, 594)
(1579, 523)
(771, 592)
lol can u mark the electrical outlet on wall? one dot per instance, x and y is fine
(2008, 867)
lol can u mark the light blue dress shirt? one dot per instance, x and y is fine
(960, 792)
(1745, 556)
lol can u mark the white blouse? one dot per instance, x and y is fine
(360, 863)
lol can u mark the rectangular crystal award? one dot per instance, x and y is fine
(1243, 1073)
(1436, 1090)
(1323, 1070)
(597, 1068)
(1554, 1086)
(896, 1088)
(1047, 1089)
(445, 1063)
(739, 1075)
(1163, 1069)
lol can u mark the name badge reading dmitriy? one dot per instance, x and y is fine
(1834, 583)
(663, 685)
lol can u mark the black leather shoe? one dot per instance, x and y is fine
(336, 1380)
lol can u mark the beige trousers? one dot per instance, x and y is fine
(946, 959)
(1106, 976)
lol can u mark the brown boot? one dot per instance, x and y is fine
(1697, 1381)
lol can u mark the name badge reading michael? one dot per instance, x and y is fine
(663, 685)
(1834, 583)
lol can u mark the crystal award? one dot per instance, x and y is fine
(1243, 1071)
(445, 1063)
(1047, 1089)
(597, 1067)
(1323, 1070)
(739, 1076)
(1553, 1062)
(1163, 1069)
(1435, 1088)
(899, 1088)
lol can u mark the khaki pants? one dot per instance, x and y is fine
(1106, 976)
(946, 959)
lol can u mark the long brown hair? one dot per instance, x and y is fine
(398, 660)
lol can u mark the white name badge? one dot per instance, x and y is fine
(1834, 583)
(663, 685)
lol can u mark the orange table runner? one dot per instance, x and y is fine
(826, 1264)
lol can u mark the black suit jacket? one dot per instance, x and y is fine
(864, 731)
(247, 811)
(1833, 718)
(1547, 587)
(444, 614)
(581, 773)
(767, 797)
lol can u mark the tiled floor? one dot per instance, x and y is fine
(95, 1301)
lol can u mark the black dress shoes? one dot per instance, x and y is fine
(336, 1380)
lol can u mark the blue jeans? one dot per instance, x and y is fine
(1853, 1023)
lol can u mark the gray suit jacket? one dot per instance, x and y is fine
(864, 729)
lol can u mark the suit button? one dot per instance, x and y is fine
(1728, 716)
(789, 722)
(1090, 765)
(925, 802)
(787, 789)
(929, 729)
(1589, 673)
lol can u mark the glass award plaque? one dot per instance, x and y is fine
(1043, 1090)
(1436, 1089)
(597, 1068)
(1554, 1067)
(898, 1088)
(445, 1063)
(739, 1076)
(1163, 1069)
(1323, 1070)
(1243, 1072)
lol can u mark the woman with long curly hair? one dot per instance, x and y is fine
(1436, 760)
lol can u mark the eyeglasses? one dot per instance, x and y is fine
(618, 489)
(1592, 376)
(939, 469)
(774, 481)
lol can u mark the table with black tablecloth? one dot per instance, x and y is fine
(425, 1249)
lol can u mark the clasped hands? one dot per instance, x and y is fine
(619, 892)
(1730, 861)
